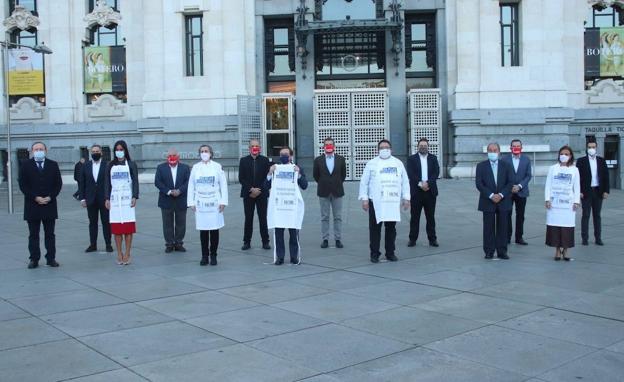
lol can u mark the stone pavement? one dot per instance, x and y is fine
(439, 314)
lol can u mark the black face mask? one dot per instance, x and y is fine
(96, 157)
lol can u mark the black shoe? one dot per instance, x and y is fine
(521, 242)
(109, 248)
(179, 248)
(168, 249)
(213, 259)
(279, 262)
(266, 246)
(503, 256)
(392, 257)
(489, 256)
(324, 244)
(33, 264)
(203, 262)
(599, 242)
(91, 248)
(339, 244)
(374, 258)
(296, 261)
(434, 243)
(52, 263)
(411, 243)
(245, 246)
(585, 242)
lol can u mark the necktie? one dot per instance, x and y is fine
(253, 175)
(40, 166)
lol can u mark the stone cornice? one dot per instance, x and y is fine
(102, 15)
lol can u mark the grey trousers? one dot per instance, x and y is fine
(335, 204)
(174, 226)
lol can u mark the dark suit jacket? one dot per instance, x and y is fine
(414, 172)
(77, 169)
(164, 183)
(248, 179)
(585, 175)
(33, 183)
(89, 189)
(134, 175)
(523, 175)
(330, 184)
(486, 185)
(302, 181)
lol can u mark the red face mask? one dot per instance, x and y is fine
(255, 150)
(516, 150)
(329, 149)
(173, 159)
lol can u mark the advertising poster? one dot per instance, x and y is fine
(25, 72)
(104, 69)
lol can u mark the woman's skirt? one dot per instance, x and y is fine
(123, 228)
(561, 237)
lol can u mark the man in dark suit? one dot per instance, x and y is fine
(423, 171)
(494, 180)
(521, 165)
(252, 173)
(330, 172)
(40, 182)
(91, 190)
(595, 187)
(77, 170)
(172, 179)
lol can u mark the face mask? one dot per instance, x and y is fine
(329, 149)
(205, 156)
(493, 157)
(173, 159)
(254, 150)
(284, 159)
(385, 153)
(516, 150)
(423, 150)
(96, 156)
(120, 154)
(564, 159)
(591, 152)
(39, 155)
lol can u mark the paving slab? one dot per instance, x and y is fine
(27, 331)
(65, 301)
(603, 366)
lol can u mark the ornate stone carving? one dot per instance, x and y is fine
(26, 108)
(106, 106)
(21, 18)
(102, 15)
(606, 3)
(606, 92)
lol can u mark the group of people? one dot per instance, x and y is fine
(109, 191)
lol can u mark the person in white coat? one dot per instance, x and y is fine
(383, 188)
(207, 197)
(563, 198)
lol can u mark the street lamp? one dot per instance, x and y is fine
(5, 70)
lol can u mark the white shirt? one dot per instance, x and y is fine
(593, 165)
(96, 169)
(424, 170)
(174, 173)
(516, 162)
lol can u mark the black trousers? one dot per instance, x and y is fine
(422, 200)
(592, 204)
(293, 243)
(520, 208)
(495, 232)
(259, 204)
(209, 242)
(93, 211)
(374, 232)
(49, 240)
(174, 226)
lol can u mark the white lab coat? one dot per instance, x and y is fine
(385, 182)
(207, 189)
(563, 189)
(121, 210)
(286, 207)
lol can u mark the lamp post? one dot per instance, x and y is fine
(5, 70)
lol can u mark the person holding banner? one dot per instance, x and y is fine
(563, 198)
(286, 207)
(383, 188)
(207, 196)
(121, 193)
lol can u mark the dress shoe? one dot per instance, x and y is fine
(585, 242)
(411, 243)
(52, 263)
(168, 249)
(245, 246)
(374, 258)
(434, 243)
(489, 256)
(339, 244)
(266, 246)
(179, 248)
(503, 256)
(296, 261)
(203, 262)
(324, 244)
(213, 259)
(521, 242)
(109, 248)
(279, 262)
(91, 248)
(33, 264)
(599, 242)
(392, 257)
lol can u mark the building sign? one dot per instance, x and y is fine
(104, 69)
(604, 52)
(25, 72)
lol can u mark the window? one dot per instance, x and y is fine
(420, 51)
(606, 17)
(279, 54)
(111, 3)
(30, 5)
(106, 36)
(24, 37)
(194, 45)
(510, 34)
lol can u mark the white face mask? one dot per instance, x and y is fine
(564, 159)
(120, 154)
(205, 156)
(385, 153)
(591, 152)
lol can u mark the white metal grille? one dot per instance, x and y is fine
(426, 120)
(356, 119)
(249, 121)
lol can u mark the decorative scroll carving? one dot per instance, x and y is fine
(22, 19)
(106, 106)
(102, 15)
(26, 108)
(606, 91)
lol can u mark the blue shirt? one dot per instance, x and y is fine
(329, 161)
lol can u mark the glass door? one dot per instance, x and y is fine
(277, 123)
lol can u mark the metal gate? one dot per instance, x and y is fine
(249, 122)
(357, 119)
(426, 120)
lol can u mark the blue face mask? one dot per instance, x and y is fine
(39, 155)
(284, 159)
(120, 154)
(493, 157)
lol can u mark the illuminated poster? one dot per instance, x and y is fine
(105, 69)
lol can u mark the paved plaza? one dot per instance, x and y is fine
(439, 314)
